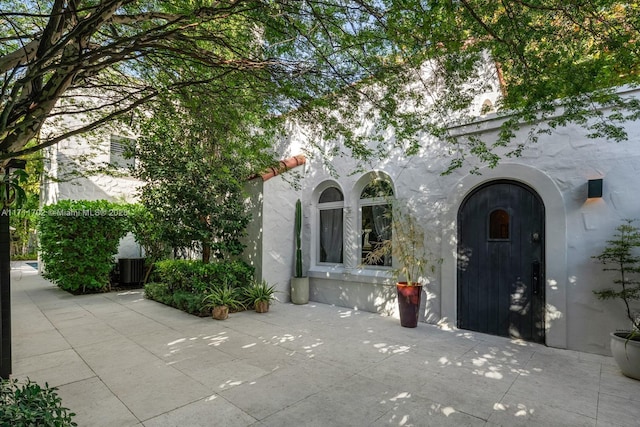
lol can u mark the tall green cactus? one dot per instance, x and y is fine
(298, 239)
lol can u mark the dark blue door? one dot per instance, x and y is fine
(501, 262)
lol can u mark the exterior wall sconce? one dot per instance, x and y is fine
(594, 189)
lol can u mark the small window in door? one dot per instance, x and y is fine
(499, 225)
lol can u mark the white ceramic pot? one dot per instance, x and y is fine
(626, 354)
(299, 290)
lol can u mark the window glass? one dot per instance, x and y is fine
(331, 195)
(377, 188)
(499, 224)
(376, 221)
(331, 225)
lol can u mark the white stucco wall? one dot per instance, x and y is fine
(557, 168)
(276, 218)
(66, 177)
(254, 237)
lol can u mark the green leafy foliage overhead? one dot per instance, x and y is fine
(78, 242)
(320, 60)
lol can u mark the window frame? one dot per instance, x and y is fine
(370, 202)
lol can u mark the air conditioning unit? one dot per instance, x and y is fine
(131, 271)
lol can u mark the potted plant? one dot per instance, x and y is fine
(260, 295)
(411, 259)
(220, 300)
(621, 255)
(299, 283)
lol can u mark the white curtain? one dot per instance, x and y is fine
(331, 234)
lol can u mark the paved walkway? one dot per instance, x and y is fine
(121, 360)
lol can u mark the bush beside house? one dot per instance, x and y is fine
(78, 241)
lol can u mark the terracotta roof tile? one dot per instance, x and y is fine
(283, 166)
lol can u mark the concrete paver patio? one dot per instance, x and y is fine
(119, 359)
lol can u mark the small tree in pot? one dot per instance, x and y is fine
(411, 260)
(621, 255)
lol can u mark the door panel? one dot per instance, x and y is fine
(501, 262)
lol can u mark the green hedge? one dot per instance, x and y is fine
(184, 283)
(158, 292)
(24, 257)
(78, 241)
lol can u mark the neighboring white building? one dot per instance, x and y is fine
(92, 167)
(526, 226)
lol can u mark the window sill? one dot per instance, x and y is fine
(339, 272)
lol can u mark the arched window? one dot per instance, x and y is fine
(330, 205)
(376, 220)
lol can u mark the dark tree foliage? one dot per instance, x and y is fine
(194, 180)
(328, 63)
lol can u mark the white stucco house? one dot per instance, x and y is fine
(515, 242)
(522, 233)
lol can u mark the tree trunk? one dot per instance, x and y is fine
(147, 274)
(206, 253)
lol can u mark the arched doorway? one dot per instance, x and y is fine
(501, 287)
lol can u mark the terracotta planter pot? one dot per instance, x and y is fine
(220, 312)
(409, 304)
(262, 306)
(626, 354)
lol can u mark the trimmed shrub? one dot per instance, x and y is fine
(158, 292)
(78, 240)
(29, 404)
(184, 283)
(191, 303)
(196, 276)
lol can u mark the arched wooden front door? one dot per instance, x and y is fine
(501, 262)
